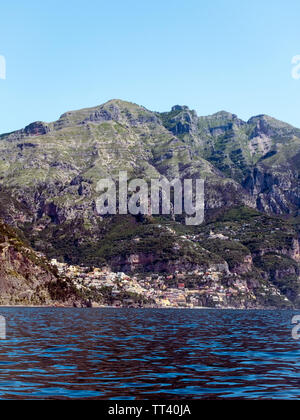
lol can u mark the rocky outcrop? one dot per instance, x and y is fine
(244, 266)
(151, 263)
(274, 191)
(184, 121)
(26, 277)
(37, 129)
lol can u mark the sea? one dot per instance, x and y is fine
(148, 354)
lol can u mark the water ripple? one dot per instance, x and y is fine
(148, 354)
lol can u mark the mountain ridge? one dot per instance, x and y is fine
(217, 146)
(49, 173)
(177, 107)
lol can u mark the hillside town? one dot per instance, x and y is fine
(196, 289)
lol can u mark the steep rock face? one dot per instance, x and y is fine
(183, 121)
(26, 278)
(151, 263)
(21, 281)
(263, 155)
(275, 190)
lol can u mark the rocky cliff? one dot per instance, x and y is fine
(263, 154)
(26, 277)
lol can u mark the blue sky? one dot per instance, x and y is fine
(211, 55)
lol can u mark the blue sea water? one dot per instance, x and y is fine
(64, 353)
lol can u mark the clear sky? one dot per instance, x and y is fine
(210, 55)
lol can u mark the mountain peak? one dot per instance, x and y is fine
(180, 108)
(224, 115)
(269, 120)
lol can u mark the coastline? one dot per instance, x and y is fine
(141, 308)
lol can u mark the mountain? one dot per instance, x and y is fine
(254, 163)
(67, 158)
(49, 173)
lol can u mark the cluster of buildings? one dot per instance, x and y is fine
(211, 288)
(101, 280)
